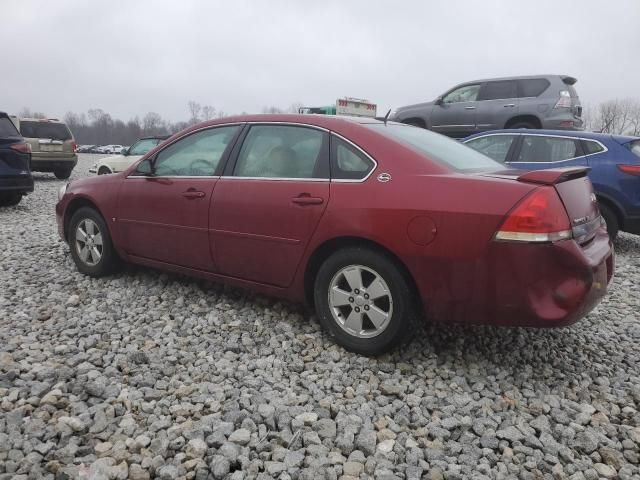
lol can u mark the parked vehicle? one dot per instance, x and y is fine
(15, 157)
(372, 223)
(614, 161)
(53, 148)
(85, 148)
(540, 101)
(355, 107)
(118, 163)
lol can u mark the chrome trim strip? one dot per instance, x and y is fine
(276, 179)
(170, 176)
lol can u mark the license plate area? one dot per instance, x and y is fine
(50, 148)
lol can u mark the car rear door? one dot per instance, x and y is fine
(497, 103)
(165, 216)
(455, 114)
(540, 151)
(269, 202)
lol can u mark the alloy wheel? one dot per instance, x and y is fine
(89, 242)
(360, 301)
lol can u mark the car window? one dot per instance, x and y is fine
(195, 155)
(279, 151)
(497, 90)
(7, 128)
(532, 87)
(54, 131)
(468, 93)
(143, 146)
(437, 147)
(634, 147)
(349, 163)
(493, 146)
(592, 147)
(537, 148)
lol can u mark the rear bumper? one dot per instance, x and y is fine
(52, 164)
(525, 285)
(17, 184)
(563, 122)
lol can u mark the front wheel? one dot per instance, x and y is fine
(364, 300)
(63, 173)
(90, 243)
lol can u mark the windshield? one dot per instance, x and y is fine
(143, 146)
(54, 131)
(437, 147)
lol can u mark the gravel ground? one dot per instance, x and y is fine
(149, 375)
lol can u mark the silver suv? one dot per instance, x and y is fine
(544, 101)
(53, 148)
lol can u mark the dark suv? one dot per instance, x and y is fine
(543, 101)
(52, 144)
(15, 157)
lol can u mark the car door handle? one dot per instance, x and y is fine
(469, 108)
(190, 194)
(307, 200)
(508, 105)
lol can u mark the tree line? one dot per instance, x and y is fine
(97, 127)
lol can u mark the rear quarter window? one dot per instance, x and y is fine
(7, 128)
(591, 147)
(634, 147)
(532, 87)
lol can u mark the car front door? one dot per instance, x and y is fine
(497, 103)
(455, 113)
(269, 202)
(163, 215)
(543, 151)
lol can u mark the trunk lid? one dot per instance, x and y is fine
(574, 189)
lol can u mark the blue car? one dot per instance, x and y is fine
(15, 160)
(614, 161)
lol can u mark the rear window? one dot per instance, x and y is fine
(437, 147)
(7, 128)
(532, 87)
(54, 131)
(634, 147)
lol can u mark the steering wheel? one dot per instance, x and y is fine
(200, 167)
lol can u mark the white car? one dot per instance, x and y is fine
(118, 163)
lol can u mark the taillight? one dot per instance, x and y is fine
(21, 147)
(630, 169)
(539, 217)
(565, 100)
(74, 145)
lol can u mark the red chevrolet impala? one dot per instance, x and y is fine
(375, 224)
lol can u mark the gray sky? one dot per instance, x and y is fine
(131, 57)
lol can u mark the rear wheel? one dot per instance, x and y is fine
(363, 299)
(63, 173)
(90, 244)
(611, 220)
(10, 199)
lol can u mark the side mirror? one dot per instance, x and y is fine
(145, 168)
(439, 101)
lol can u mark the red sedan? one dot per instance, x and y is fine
(374, 224)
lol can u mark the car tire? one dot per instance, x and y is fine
(104, 171)
(347, 313)
(104, 260)
(63, 174)
(10, 199)
(611, 220)
(523, 125)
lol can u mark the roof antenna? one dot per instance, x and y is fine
(386, 117)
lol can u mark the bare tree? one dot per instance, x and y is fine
(614, 116)
(194, 109)
(272, 109)
(208, 112)
(152, 124)
(28, 113)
